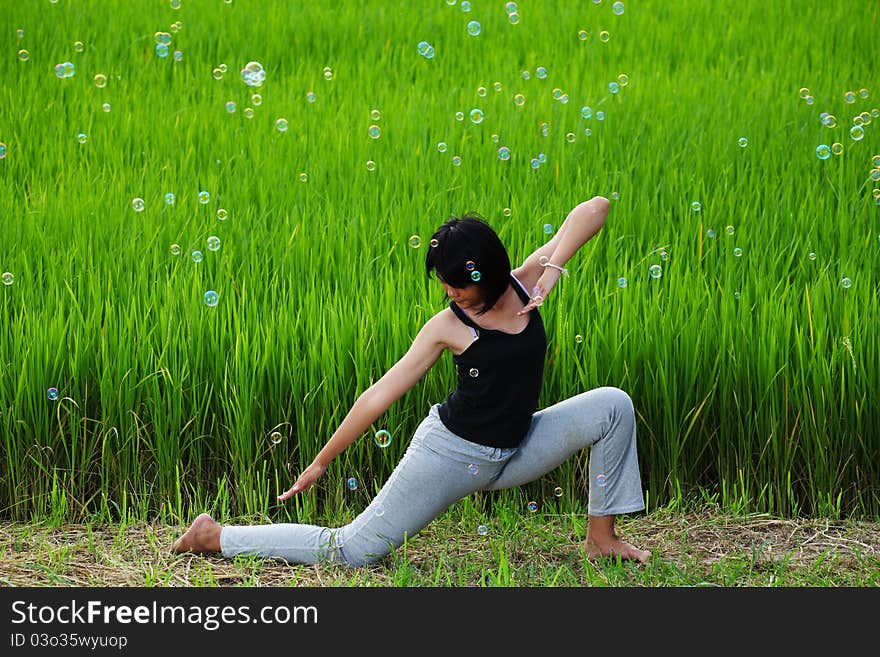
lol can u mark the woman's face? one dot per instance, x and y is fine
(466, 298)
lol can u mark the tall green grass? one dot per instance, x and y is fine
(754, 377)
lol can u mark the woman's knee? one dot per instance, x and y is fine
(619, 401)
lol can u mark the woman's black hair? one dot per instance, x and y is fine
(462, 246)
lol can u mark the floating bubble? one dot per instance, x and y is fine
(830, 121)
(456, 161)
(379, 510)
(52, 393)
(578, 338)
(82, 138)
(465, 6)
(617, 8)
(541, 72)
(328, 73)
(664, 255)
(138, 204)
(583, 34)
(823, 151)
(588, 132)
(504, 153)
(474, 372)
(352, 483)
(865, 117)
(106, 107)
(563, 99)
(586, 112)
(858, 120)
(863, 93)
(623, 79)
(222, 214)
(371, 166)
(837, 148)
(857, 132)
(19, 33)
(23, 55)
(875, 113)
(496, 86)
(8, 278)
(161, 50)
(434, 242)
(545, 129)
(737, 252)
(513, 18)
(569, 137)
(548, 229)
(65, 70)
(519, 99)
(441, 146)
(476, 115)
(622, 282)
(170, 198)
(809, 100)
(601, 479)
(382, 438)
(604, 36)
(248, 112)
(600, 115)
(217, 73)
(875, 174)
(742, 142)
(213, 243)
(253, 74)
(178, 55)
(175, 249)
(303, 177)
(849, 97)
(875, 192)
(557, 93)
(557, 491)
(494, 138)
(533, 506)
(811, 255)
(281, 125)
(197, 256)
(204, 197)
(534, 163)
(845, 283)
(175, 4)
(710, 233)
(613, 87)
(475, 276)
(804, 92)
(876, 160)
(474, 28)
(473, 469)
(375, 114)
(415, 241)
(696, 206)
(482, 530)
(526, 75)
(162, 38)
(256, 100)
(459, 116)
(211, 299)
(656, 271)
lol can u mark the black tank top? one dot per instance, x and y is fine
(499, 381)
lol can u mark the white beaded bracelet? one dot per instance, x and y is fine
(550, 264)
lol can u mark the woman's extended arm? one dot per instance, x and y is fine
(579, 227)
(425, 350)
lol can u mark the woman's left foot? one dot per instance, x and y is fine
(615, 548)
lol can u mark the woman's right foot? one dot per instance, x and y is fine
(202, 536)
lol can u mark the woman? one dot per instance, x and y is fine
(487, 435)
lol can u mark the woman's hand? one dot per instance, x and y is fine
(542, 289)
(305, 481)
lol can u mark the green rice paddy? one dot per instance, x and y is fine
(752, 359)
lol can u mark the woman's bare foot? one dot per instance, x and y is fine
(603, 542)
(202, 536)
(615, 548)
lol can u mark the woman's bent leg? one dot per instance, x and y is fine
(602, 419)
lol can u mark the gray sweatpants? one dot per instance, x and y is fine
(439, 468)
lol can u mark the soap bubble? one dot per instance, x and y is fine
(504, 153)
(213, 243)
(617, 8)
(8, 278)
(382, 438)
(138, 204)
(656, 271)
(482, 530)
(473, 28)
(211, 298)
(823, 151)
(253, 74)
(204, 197)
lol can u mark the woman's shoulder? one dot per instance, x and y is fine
(445, 328)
